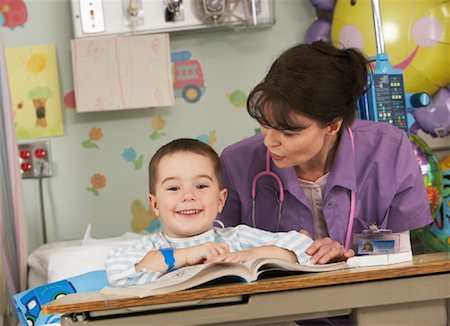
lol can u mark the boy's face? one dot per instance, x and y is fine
(187, 197)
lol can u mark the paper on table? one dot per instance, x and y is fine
(376, 260)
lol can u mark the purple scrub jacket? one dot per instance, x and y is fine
(384, 172)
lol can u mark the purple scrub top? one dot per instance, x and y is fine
(384, 172)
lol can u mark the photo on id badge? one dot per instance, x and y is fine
(377, 242)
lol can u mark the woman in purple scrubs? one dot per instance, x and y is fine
(306, 106)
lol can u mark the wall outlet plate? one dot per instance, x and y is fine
(35, 159)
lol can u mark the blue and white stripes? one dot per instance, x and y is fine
(120, 262)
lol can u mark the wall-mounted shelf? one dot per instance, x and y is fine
(106, 17)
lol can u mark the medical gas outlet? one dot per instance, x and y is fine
(35, 160)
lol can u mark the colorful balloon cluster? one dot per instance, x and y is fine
(432, 176)
(417, 41)
(436, 236)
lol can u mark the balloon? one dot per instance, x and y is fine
(416, 37)
(319, 30)
(431, 172)
(437, 235)
(323, 4)
(434, 119)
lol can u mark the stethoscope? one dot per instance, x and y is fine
(280, 199)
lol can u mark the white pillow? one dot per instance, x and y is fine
(39, 258)
(60, 260)
(76, 260)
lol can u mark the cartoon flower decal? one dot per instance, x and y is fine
(98, 181)
(95, 134)
(143, 218)
(129, 154)
(210, 139)
(238, 99)
(158, 123)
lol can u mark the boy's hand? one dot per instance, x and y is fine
(259, 252)
(235, 257)
(201, 253)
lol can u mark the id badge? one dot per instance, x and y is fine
(376, 241)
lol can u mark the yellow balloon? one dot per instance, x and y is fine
(416, 37)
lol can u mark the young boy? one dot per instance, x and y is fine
(187, 193)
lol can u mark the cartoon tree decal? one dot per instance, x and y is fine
(39, 96)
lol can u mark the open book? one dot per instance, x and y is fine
(216, 273)
(222, 272)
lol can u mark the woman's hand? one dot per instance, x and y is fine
(327, 250)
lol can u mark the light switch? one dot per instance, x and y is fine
(92, 16)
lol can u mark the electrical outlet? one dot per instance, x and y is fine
(35, 159)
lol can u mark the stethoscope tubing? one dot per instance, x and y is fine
(268, 172)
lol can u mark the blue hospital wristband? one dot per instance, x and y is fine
(169, 258)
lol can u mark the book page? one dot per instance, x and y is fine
(185, 278)
(192, 276)
(272, 264)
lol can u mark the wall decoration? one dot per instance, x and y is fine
(118, 73)
(39, 96)
(69, 100)
(33, 78)
(416, 38)
(238, 99)
(158, 123)
(95, 134)
(210, 139)
(13, 13)
(98, 181)
(143, 219)
(188, 81)
(436, 236)
(130, 155)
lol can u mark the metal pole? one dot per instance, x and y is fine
(378, 26)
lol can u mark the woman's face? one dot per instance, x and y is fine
(308, 144)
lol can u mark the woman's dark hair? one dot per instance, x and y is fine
(316, 80)
(186, 145)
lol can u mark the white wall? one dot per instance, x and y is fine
(230, 61)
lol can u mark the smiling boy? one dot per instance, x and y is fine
(187, 193)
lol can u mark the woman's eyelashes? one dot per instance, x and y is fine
(289, 133)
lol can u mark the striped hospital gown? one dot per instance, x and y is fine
(120, 262)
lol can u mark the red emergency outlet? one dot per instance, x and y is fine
(25, 154)
(40, 153)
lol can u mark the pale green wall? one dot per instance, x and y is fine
(230, 61)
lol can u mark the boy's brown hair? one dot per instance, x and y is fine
(187, 145)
